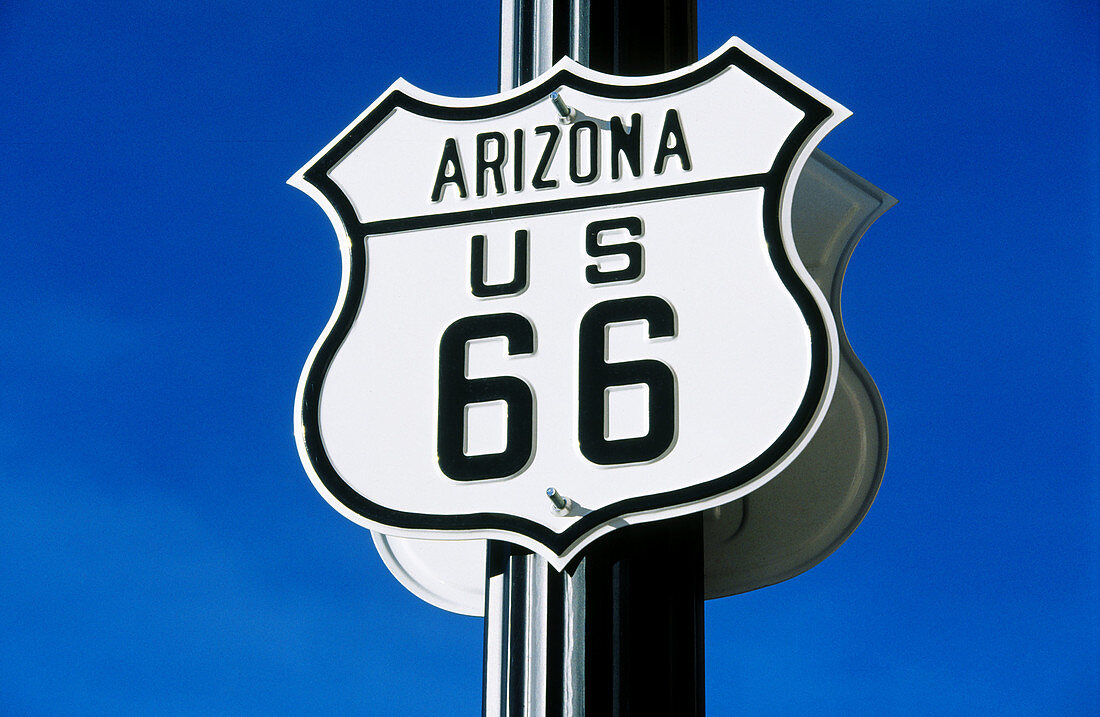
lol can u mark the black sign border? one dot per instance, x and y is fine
(815, 115)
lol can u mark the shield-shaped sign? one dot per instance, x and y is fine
(569, 307)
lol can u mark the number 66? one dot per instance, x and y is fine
(596, 375)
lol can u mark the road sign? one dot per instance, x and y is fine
(582, 307)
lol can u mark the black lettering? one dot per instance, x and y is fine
(539, 181)
(485, 164)
(627, 143)
(477, 268)
(517, 161)
(597, 375)
(443, 177)
(675, 132)
(456, 392)
(630, 249)
(593, 151)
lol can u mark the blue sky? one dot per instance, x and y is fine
(161, 550)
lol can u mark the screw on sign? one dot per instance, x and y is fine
(568, 307)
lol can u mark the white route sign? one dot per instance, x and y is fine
(586, 284)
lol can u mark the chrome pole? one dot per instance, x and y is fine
(620, 631)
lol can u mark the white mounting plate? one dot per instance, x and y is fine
(803, 514)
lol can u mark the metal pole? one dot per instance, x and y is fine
(620, 631)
